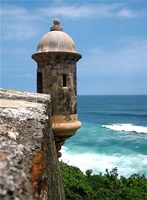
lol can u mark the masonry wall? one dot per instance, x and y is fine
(29, 167)
(59, 79)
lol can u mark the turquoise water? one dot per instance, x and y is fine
(113, 134)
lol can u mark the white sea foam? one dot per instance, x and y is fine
(126, 127)
(126, 164)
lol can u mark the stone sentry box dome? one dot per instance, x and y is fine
(56, 40)
(56, 57)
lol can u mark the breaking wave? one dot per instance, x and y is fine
(126, 128)
(126, 164)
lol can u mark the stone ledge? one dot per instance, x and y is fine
(12, 103)
(25, 96)
(29, 167)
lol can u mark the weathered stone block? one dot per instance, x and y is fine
(29, 167)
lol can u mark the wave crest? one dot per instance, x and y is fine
(127, 164)
(126, 128)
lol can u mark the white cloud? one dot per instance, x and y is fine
(125, 13)
(19, 32)
(22, 22)
(76, 11)
(129, 60)
(98, 10)
(8, 10)
(17, 23)
(114, 71)
(80, 11)
(128, 13)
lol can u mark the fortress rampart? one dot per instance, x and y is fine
(34, 126)
(29, 166)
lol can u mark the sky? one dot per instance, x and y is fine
(110, 35)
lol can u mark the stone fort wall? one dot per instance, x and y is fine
(29, 167)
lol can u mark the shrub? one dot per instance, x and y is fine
(88, 186)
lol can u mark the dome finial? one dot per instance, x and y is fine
(56, 26)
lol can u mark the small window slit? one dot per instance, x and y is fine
(39, 82)
(64, 80)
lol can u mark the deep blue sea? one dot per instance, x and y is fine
(113, 134)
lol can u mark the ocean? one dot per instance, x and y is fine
(113, 134)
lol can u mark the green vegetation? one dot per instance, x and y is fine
(88, 186)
